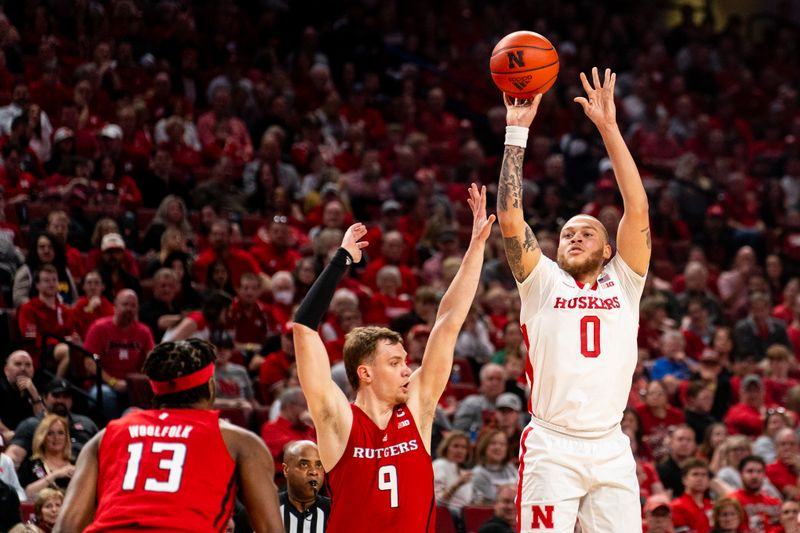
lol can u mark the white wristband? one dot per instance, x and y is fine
(516, 136)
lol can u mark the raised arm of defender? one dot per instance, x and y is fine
(430, 380)
(328, 405)
(633, 235)
(522, 248)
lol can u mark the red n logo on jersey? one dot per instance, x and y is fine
(542, 517)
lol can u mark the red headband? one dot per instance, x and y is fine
(182, 383)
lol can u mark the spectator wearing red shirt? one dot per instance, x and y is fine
(109, 171)
(777, 381)
(236, 260)
(657, 416)
(392, 250)
(762, 511)
(136, 142)
(692, 510)
(18, 184)
(92, 305)
(746, 417)
(221, 133)
(248, 317)
(783, 472)
(276, 254)
(290, 425)
(283, 297)
(45, 314)
(388, 304)
(274, 368)
(122, 342)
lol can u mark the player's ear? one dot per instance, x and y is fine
(607, 252)
(364, 373)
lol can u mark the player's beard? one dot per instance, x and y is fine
(579, 270)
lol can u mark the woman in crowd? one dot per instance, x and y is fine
(657, 415)
(172, 240)
(46, 508)
(218, 278)
(171, 213)
(512, 343)
(764, 445)
(188, 297)
(714, 436)
(45, 250)
(452, 479)
(494, 467)
(50, 464)
(728, 516)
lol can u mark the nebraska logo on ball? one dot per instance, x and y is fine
(524, 52)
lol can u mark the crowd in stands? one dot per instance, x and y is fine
(177, 169)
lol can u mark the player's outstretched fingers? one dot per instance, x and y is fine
(596, 78)
(585, 83)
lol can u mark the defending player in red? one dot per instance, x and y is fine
(579, 318)
(176, 467)
(377, 450)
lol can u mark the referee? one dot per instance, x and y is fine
(303, 510)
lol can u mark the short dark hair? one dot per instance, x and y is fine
(695, 388)
(360, 346)
(693, 463)
(751, 459)
(171, 360)
(44, 268)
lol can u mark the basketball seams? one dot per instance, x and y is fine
(500, 51)
(526, 70)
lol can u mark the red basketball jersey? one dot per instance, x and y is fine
(384, 480)
(167, 470)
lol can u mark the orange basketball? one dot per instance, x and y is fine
(523, 64)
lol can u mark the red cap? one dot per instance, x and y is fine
(656, 501)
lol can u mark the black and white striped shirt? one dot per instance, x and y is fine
(312, 520)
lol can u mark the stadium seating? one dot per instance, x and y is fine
(475, 515)
(444, 520)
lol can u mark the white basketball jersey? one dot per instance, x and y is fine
(581, 344)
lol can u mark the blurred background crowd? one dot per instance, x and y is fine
(182, 168)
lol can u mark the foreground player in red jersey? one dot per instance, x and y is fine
(377, 450)
(176, 467)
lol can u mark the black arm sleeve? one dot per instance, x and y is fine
(316, 302)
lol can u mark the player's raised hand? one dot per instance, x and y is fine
(521, 111)
(481, 226)
(599, 101)
(351, 241)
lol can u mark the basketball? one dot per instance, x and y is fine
(523, 64)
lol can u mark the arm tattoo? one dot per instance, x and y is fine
(646, 232)
(509, 193)
(531, 243)
(514, 256)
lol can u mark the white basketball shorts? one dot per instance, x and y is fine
(564, 478)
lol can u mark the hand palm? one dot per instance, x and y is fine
(599, 101)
